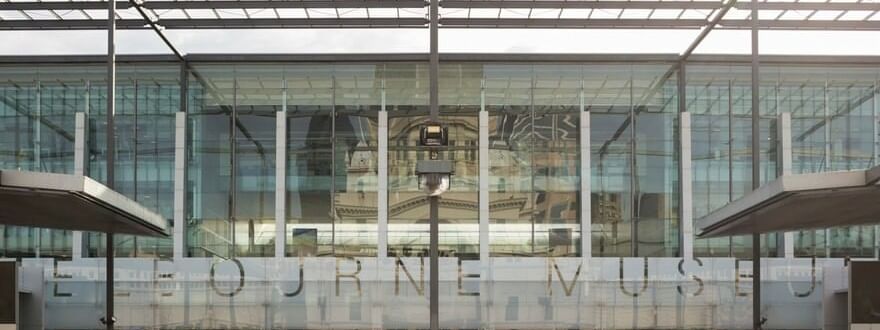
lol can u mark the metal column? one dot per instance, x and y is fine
(687, 220)
(281, 178)
(685, 170)
(783, 150)
(111, 148)
(79, 168)
(382, 198)
(179, 185)
(434, 71)
(756, 169)
(586, 184)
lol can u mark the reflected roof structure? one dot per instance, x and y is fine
(256, 14)
(72, 202)
(800, 202)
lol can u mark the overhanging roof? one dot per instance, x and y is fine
(582, 14)
(800, 202)
(72, 202)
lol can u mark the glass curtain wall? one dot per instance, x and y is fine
(833, 129)
(332, 159)
(534, 159)
(309, 217)
(37, 123)
(357, 102)
(460, 207)
(231, 161)
(406, 100)
(147, 97)
(633, 111)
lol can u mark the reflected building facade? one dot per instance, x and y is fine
(291, 184)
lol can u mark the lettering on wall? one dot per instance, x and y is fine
(213, 283)
(693, 277)
(302, 280)
(551, 265)
(461, 277)
(812, 281)
(420, 287)
(354, 275)
(644, 279)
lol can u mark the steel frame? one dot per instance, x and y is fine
(584, 14)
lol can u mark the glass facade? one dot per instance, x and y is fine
(299, 191)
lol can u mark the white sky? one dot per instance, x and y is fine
(451, 40)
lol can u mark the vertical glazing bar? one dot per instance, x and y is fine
(783, 132)
(111, 147)
(756, 169)
(79, 164)
(730, 142)
(586, 184)
(281, 177)
(333, 166)
(382, 198)
(633, 172)
(38, 166)
(826, 160)
(484, 182)
(382, 207)
(876, 140)
(233, 169)
(179, 185)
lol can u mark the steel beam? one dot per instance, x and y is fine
(215, 4)
(550, 4)
(694, 5)
(217, 23)
(596, 23)
(511, 4)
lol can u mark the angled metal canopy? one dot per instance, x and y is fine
(72, 202)
(583, 14)
(800, 202)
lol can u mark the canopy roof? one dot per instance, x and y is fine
(799, 202)
(72, 202)
(554, 14)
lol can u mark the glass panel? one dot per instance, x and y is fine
(711, 150)
(309, 153)
(147, 98)
(209, 164)
(459, 210)
(608, 97)
(406, 96)
(258, 96)
(37, 117)
(358, 97)
(508, 99)
(556, 160)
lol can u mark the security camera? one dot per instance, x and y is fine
(434, 184)
(434, 176)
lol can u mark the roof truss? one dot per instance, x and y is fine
(604, 14)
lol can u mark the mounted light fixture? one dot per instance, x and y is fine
(434, 174)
